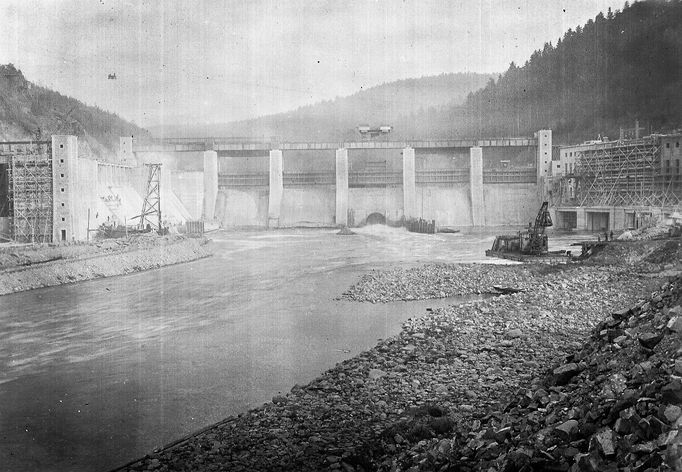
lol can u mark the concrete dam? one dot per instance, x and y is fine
(49, 193)
(241, 183)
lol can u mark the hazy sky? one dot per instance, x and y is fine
(202, 61)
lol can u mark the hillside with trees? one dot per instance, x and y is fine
(394, 103)
(620, 67)
(28, 111)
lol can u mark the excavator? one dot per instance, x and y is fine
(528, 245)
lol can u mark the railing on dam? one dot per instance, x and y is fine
(380, 178)
(268, 143)
(451, 176)
(510, 176)
(244, 180)
(308, 178)
(374, 179)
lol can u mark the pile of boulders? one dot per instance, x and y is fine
(438, 281)
(642, 257)
(614, 404)
(430, 397)
(645, 234)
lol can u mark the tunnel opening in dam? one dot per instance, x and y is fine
(375, 218)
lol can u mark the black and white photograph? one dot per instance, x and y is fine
(340, 236)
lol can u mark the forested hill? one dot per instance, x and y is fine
(615, 69)
(394, 103)
(28, 111)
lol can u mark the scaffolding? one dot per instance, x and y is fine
(151, 207)
(30, 193)
(623, 173)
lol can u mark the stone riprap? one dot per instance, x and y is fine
(440, 281)
(75, 263)
(436, 396)
(615, 404)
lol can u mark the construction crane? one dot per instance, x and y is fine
(530, 244)
(535, 240)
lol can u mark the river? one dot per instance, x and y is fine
(98, 373)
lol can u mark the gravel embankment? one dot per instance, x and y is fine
(415, 399)
(84, 262)
(443, 280)
(615, 404)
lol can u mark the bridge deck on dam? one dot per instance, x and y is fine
(224, 144)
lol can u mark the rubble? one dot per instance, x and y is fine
(77, 262)
(621, 412)
(440, 281)
(457, 390)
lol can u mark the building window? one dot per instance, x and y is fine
(61, 161)
(667, 166)
(63, 219)
(667, 145)
(677, 144)
(61, 146)
(62, 189)
(62, 203)
(61, 175)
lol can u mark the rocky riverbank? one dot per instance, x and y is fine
(442, 280)
(485, 385)
(31, 267)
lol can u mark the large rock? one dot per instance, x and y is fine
(514, 333)
(605, 442)
(376, 374)
(672, 392)
(649, 340)
(562, 375)
(568, 429)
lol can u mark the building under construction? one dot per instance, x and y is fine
(613, 185)
(49, 194)
(33, 177)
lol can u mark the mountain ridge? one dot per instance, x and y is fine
(31, 112)
(390, 103)
(619, 67)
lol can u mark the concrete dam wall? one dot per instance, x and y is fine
(48, 193)
(266, 185)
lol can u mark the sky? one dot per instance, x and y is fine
(215, 61)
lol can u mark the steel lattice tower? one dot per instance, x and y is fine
(151, 207)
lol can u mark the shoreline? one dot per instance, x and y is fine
(415, 394)
(132, 258)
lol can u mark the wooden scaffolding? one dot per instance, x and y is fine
(30, 193)
(624, 173)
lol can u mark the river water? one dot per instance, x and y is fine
(98, 373)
